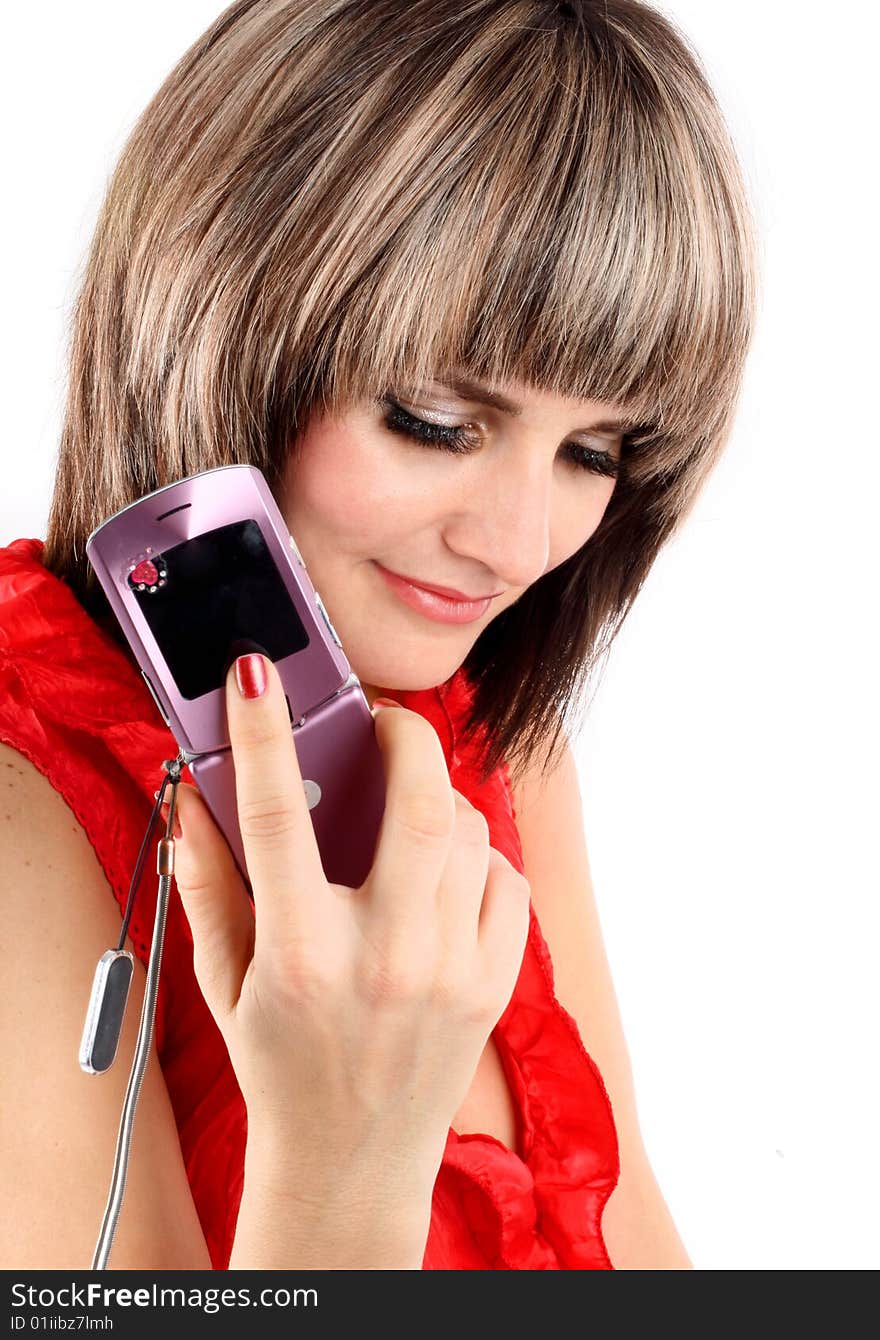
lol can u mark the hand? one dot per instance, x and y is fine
(354, 1018)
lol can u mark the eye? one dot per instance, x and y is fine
(599, 462)
(447, 437)
(459, 440)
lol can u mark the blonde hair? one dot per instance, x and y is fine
(328, 198)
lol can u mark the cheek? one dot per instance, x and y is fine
(578, 518)
(337, 490)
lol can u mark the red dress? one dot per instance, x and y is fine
(76, 706)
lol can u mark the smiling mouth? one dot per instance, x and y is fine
(448, 592)
(432, 604)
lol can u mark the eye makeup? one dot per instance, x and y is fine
(460, 440)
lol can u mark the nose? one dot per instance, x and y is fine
(504, 522)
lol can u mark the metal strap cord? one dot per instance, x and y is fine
(165, 869)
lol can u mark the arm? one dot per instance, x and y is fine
(638, 1229)
(58, 1126)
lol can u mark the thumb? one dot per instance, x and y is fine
(215, 901)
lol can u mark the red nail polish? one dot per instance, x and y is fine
(385, 702)
(250, 675)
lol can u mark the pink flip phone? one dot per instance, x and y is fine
(202, 571)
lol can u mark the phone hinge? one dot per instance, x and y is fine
(186, 757)
(343, 688)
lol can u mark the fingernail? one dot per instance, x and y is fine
(385, 702)
(250, 675)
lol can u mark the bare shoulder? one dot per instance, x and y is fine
(58, 1125)
(637, 1226)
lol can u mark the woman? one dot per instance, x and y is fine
(474, 287)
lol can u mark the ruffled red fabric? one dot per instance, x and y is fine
(75, 704)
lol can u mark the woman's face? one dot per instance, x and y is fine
(525, 491)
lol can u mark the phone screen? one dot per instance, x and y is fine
(216, 597)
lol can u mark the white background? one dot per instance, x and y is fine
(729, 759)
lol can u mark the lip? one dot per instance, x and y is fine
(436, 602)
(448, 591)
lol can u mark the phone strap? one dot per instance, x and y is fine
(109, 997)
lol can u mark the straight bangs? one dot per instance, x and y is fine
(325, 201)
(559, 218)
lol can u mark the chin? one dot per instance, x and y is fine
(405, 678)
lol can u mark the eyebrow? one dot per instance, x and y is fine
(487, 395)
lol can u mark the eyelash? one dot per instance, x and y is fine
(454, 440)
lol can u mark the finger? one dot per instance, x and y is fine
(460, 894)
(504, 925)
(281, 850)
(215, 902)
(419, 818)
